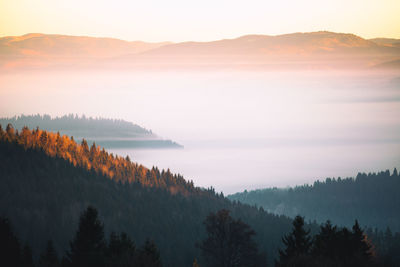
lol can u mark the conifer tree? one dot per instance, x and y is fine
(88, 247)
(85, 147)
(121, 251)
(49, 257)
(359, 240)
(26, 257)
(43, 139)
(229, 242)
(93, 152)
(149, 255)
(1, 132)
(325, 243)
(10, 251)
(10, 132)
(10, 129)
(297, 246)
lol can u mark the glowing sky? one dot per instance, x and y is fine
(180, 20)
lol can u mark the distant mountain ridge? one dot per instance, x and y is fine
(297, 50)
(296, 43)
(386, 41)
(47, 45)
(110, 133)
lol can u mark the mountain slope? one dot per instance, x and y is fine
(386, 41)
(54, 45)
(287, 44)
(372, 198)
(50, 51)
(45, 184)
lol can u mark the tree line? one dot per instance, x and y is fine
(75, 125)
(229, 242)
(88, 248)
(371, 198)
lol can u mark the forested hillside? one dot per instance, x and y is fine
(47, 180)
(106, 132)
(372, 198)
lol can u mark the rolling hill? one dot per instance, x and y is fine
(372, 198)
(54, 45)
(314, 50)
(36, 50)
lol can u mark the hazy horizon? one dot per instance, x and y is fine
(259, 94)
(216, 38)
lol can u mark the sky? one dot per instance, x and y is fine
(205, 20)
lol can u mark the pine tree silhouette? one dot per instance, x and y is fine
(121, 251)
(361, 247)
(10, 250)
(149, 255)
(49, 258)
(26, 257)
(229, 242)
(89, 246)
(297, 246)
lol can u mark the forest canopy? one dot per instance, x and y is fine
(47, 180)
(371, 198)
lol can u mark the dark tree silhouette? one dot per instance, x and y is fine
(297, 246)
(26, 257)
(9, 245)
(121, 251)
(326, 242)
(229, 242)
(330, 247)
(361, 248)
(149, 255)
(89, 246)
(49, 258)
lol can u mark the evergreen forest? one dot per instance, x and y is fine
(64, 203)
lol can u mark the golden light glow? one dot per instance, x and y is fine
(180, 20)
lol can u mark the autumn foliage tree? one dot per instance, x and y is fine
(93, 158)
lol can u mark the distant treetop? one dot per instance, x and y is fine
(79, 126)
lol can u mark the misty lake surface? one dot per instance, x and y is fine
(240, 130)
